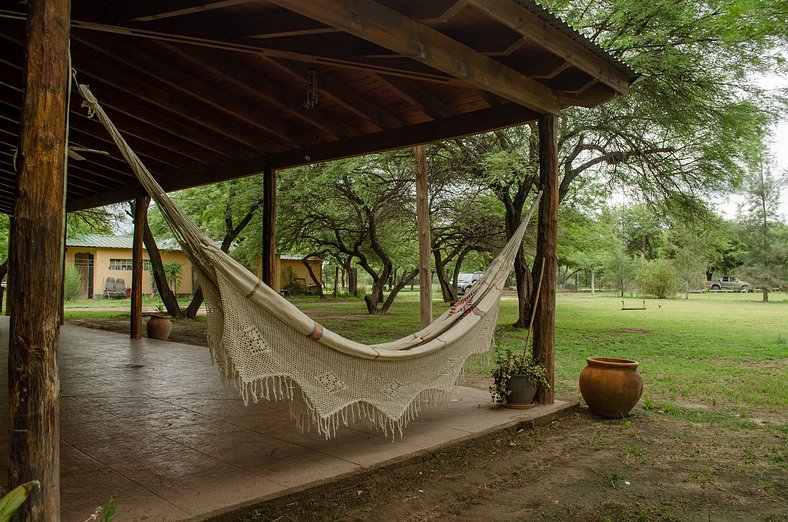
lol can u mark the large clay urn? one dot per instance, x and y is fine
(611, 387)
(159, 326)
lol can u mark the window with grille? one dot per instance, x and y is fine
(120, 264)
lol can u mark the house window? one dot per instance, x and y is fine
(146, 266)
(120, 264)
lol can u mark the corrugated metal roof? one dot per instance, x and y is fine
(101, 241)
(578, 37)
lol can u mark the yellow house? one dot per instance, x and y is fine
(100, 257)
(291, 268)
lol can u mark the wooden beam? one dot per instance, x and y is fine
(546, 244)
(331, 86)
(425, 239)
(269, 226)
(259, 87)
(416, 96)
(497, 117)
(176, 8)
(520, 19)
(140, 215)
(34, 297)
(388, 28)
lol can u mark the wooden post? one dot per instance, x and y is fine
(34, 297)
(269, 225)
(425, 248)
(140, 215)
(546, 241)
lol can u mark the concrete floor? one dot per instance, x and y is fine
(150, 423)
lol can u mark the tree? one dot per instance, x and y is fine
(225, 212)
(360, 210)
(765, 264)
(620, 268)
(689, 254)
(658, 278)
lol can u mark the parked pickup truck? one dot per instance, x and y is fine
(729, 284)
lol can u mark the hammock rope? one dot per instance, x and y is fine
(271, 350)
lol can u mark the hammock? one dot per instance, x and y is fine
(271, 350)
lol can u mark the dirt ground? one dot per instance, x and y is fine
(654, 465)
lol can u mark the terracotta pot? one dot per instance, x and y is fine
(159, 326)
(611, 387)
(522, 392)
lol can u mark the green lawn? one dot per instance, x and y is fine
(726, 351)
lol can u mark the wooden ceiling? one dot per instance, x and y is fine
(210, 90)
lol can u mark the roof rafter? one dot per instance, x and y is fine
(378, 24)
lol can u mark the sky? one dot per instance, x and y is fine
(778, 148)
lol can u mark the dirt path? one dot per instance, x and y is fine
(582, 467)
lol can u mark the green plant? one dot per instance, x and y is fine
(173, 271)
(105, 513)
(658, 278)
(160, 308)
(72, 283)
(508, 364)
(10, 503)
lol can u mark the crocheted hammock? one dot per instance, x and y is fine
(271, 350)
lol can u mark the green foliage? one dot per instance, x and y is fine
(658, 278)
(765, 264)
(620, 269)
(72, 283)
(105, 513)
(100, 220)
(173, 271)
(11, 502)
(689, 253)
(508, 364)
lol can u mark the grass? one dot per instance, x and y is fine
(721, 351)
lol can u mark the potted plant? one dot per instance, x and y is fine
(516, 379)
(159, 325)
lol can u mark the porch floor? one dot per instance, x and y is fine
(150, 423)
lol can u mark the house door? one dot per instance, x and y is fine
(84, 263)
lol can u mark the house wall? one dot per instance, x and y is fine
(300, 271)
(101, 268)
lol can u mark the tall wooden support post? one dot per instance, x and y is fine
(34, 297)
(140, 215)
(269, 225)
(425, 247)
(546, 241)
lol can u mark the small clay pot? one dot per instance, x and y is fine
(611, 387)
(522, 392)
(159, 326)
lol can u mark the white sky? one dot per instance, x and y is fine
(778, 147)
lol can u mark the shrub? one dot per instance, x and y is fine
(658, 279)
(72, 283)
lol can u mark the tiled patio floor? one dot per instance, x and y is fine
(151, 424)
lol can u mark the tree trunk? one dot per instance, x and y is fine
(406, 278)
(34, 266)
(159, 276)
(336, 280)
(448, 291)
(352, 281)
(765, 294)
(593, 281)
(319, 284)
(546, 243)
